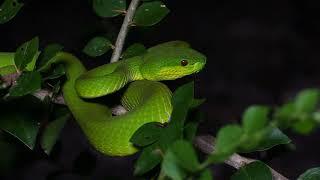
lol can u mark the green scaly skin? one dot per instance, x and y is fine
(146, 99)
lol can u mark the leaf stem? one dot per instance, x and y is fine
(124, 30)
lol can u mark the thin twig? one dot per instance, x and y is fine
(42, 93)
(9, 80)
(205, 144)
(124, 30)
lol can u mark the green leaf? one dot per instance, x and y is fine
(22, 126)
(255, 118)
(9, 9)
(304, 126)
(316, 116)
(25, 53)
(149, 158)
(150, 13)
(310, 174)
(135, 49)
(147, 134)
(254, 170)
(109, 8)
(51, 133)
(284, 114)
(49, 52)
(273, 138)
(228, 138)
(185, 155)
(181, 101)
(197, 102)
(97, 46)
(190, 130)
(9, 67)
(307, 100)
(27, 83)
(171, 168)
(57, 72)
(169, 135)
(205, 175)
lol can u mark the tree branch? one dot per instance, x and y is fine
(205, 144)
(124, 30)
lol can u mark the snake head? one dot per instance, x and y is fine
(171, 62)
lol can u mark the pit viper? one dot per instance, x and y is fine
(146, 99)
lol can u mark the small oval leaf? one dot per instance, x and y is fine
(49, 52)
(51, 133)
(57, 72)
(205, 175)
(150, 13)
(22, 126)
(109, 8)
(185, 155)
(171, 168)
(27, 83)
(190, 130)
(273, 138)
(147, 134)
(181, 100)
(9, 10)
(254, 170)
(197, 102)
(135, 49)
(228, 139)
(310, 174)
(307, 100)
(255, 118)
(149, 158)
(304, 126)
(97, 46)
(25, 53)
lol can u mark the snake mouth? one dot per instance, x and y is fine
(172, 73)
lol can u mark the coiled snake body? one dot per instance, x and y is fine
(146, 99)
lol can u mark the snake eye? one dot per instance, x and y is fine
(184, 62)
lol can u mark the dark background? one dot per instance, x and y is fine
(259, 52)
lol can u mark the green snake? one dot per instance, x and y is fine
(146, 99)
